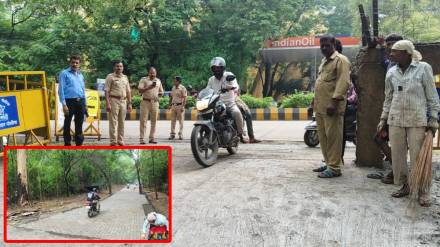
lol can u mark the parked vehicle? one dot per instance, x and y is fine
(311, 137)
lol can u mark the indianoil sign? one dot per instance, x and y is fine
(308, 41)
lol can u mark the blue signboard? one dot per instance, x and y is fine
(8, 112)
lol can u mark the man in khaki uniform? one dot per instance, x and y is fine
(118, 99)
(330, 102)
(177, 106)
(151, 89)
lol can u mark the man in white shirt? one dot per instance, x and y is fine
(218, 82)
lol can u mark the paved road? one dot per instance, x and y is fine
(266, 195)
(266, 130)
(121, 217)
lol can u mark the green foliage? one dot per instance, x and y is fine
(253, 102)
(190, 102)
(164, 102)
(299, 100)
(55, 173)
(136, 101)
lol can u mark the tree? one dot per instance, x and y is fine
(22, 178)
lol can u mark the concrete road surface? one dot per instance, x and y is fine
(267, 195)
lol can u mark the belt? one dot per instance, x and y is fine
(176, 103)
(150, 100)
(117, 97)
(75, 99)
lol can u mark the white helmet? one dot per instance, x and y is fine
(218, 61)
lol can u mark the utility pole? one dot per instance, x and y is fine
(375, 19)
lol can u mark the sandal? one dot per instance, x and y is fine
(404, 191)
(424, 203)
(388, 179)
(329, 174)
(320, 169)
(377, 175)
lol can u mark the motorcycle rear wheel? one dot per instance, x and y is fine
(204, 152)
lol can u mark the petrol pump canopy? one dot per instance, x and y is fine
(304, 49)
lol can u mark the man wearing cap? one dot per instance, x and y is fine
(177, 106)
(118, 100)
(410, 108)
(151, 89)
(71, 92)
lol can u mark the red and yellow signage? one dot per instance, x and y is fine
(307, 41)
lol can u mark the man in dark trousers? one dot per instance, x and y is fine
(71, 92)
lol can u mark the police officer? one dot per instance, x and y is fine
(118, 99)
(72, 96)
(151, 89)
(177, 106)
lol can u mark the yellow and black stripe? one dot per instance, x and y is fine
(263, 114)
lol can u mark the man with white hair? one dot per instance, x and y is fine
(410, 108)
(155, 219)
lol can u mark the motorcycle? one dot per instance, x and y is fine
(216, 129)
(93, 208)
(311, 137)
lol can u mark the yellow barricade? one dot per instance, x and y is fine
(24, 108)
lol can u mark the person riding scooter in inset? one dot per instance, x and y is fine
(93, 196)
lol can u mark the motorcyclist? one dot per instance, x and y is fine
(93, 196)
(153, 219)
(218, 82)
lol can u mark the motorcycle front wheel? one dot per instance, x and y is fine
(311, 138)
(204, 152)
(90, 213)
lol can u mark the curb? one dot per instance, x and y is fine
(258, 114)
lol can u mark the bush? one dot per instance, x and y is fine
(298, 100)
(164, 102)
(253, 102)
(136, 101)
(190, 102)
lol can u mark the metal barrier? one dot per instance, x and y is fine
(24, 107)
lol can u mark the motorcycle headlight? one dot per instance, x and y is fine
(202, 105)
(220, 108)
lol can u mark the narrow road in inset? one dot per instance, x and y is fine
(121, 217)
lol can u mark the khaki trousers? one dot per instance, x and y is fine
(401, 139)
(238, 118)
(177, 113)
(148, 108)
(118, 112)
(330, 130)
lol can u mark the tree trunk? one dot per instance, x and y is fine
(23, 196)
(258, 82)
(137, 164)
(267, 75)
(272, 78)
(154, 176)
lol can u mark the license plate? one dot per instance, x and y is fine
(88, 207)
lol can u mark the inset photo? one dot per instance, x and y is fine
(87, 194)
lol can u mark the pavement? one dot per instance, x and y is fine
(267, 130)
(121, 217)
(267, 195)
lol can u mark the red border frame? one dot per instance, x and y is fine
(168, 148)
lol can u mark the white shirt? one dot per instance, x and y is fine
(228, 97)
(410, 96)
